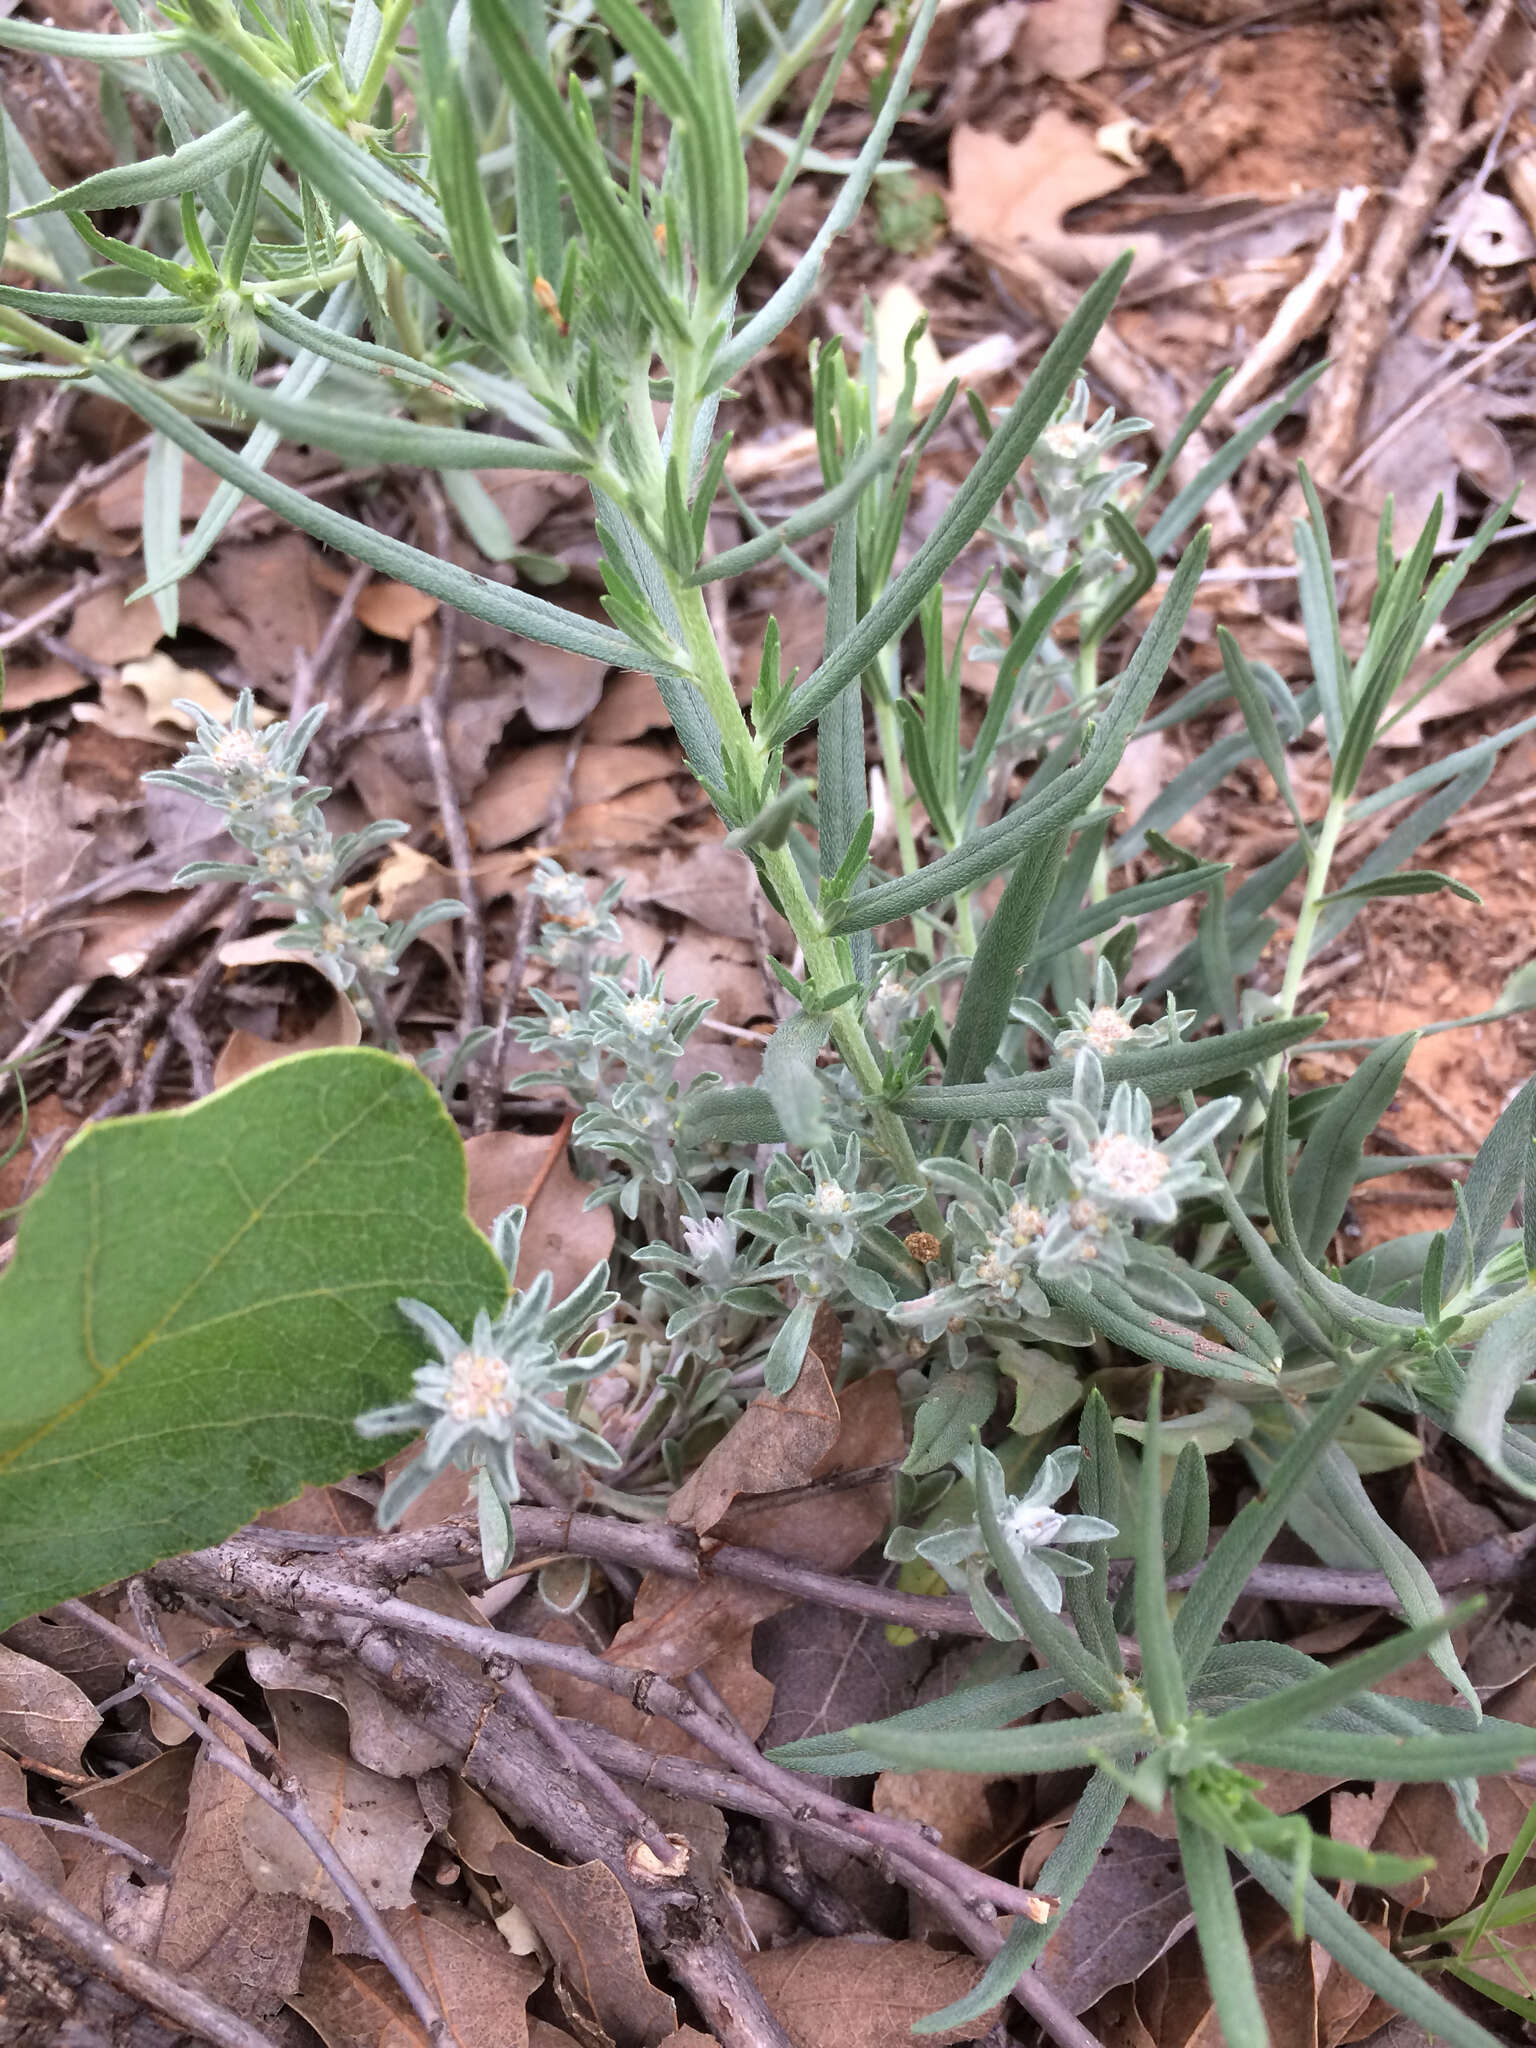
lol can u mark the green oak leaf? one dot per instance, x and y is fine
(200, 1303)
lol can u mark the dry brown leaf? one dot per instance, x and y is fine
(585, 1921)
(394, 610)
(521, 795)
(475, 1828)
(710, 885)
(240, 1945)
(724, 970)
(1006, 196)
(689, 2037)
(640, 817)
(40, 682)
(140, 705)
(264, 601)
(507, 1167)
(375, 1823)
(1064, 38)
(558, 688)
(730, 1670)
(849, 1993)
(145, 1807)
(1131, 1911)
(107, 627)
(382, 1736)
(631, 705)
(243, 1051)
(778, 1441)
(975, 1819)
(35, 1846)
(43, 1714)
(1476, 683)
(480, 1986)
(678, 1626)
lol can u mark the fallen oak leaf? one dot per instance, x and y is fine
(43, 1714)
(849, 1992)
(584, 1919)
(562, 1234)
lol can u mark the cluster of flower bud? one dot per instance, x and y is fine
(251, 773)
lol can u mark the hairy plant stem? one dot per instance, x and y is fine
(1319, 861)
(396, 14)
(824, 971)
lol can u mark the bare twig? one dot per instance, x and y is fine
(1364, 318)
(115, 1843)
(31, 544)
(508, 1760)
(163, 1681)
(32, 438)
(24, 1896)
(197, 993)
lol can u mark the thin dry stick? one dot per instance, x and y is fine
(309, 1588)
(31, 544)
(507, 1760)
(25, 1897)
(197, 993)
(1364, 318)
(310, 669)
(118, 1847)
(32, 439)
(520, 1690)
(157, 1676)
(30, 624)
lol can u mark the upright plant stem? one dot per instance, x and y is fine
(1315, 889)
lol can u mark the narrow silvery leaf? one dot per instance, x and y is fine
(842, 788)
(1205, 1608)
(1337, 1491)
(751, 340)
(1408, 882)
(1045, 1746)
(1041, 813)
(1186, 506)
(789, 1078)
(86, 47)
(101, 309)
(1219, 1929)
(1488, 1193)
(159, 177)
(482, 599)
(973, 1706)
(361, 437)
(1161, 1675)
(1067, 1869)
(1160, 1069)
(1334, 1928)
(1326, 1171)
(162, 524)
(1502, 1363)
(1137, 901)
(1111, 1309)
(1406, 836)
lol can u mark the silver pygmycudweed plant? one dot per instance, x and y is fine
(250, 772)
(512, 1378)
(423, 223)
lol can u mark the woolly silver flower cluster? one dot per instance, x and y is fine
(1030, 1531)
(618, 1057)
(509, 1379)
(1074, 1215)
(579, 938)
(251, 773)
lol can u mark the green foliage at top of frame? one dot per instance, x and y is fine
(202, 1300)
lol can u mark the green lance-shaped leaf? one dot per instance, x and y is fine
(1501, 1365)
(992, 978)
(544, 114)
(1488, 1194)
(348, 177)
(1161, 1675)
(1064, 799)
(201, 1302)
(1045, 1746)
(84, 46)
(105, 309)
(1137, 901)
(158, 177)
(1335, 1929)
(1211, 1599)
(900, 602)
(1329, 1165)
(974, 1706)
(1219, 1928)
(1186, 506)
(1408, 882)
(1159, 1069)
(515, 610)
(359, 436)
